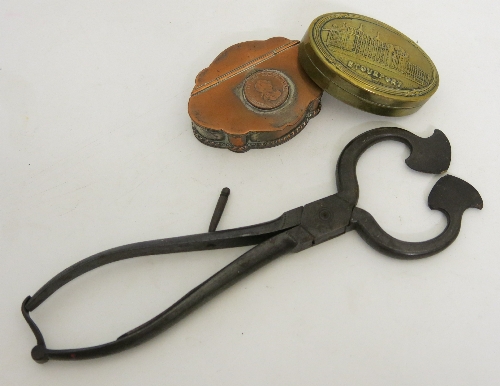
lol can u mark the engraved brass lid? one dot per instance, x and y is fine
(367, 64)
(254, 95)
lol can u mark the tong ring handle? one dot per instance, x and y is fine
(428, 155)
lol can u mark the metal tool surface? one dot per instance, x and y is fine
(295, 230)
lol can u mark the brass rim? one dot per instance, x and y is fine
(322, 64)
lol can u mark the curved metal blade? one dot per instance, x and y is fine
(430, 155)
(454, 195)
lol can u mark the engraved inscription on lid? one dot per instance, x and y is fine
(266, 89)
(374, 54)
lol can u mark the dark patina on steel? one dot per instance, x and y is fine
(219, 208)
(294, 231)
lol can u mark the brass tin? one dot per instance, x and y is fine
(254, 95)
(367, 64)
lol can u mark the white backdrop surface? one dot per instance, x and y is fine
(97, 151)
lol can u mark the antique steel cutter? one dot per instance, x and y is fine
(293, 231)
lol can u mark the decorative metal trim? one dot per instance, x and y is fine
(225, 144)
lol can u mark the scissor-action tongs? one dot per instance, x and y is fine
(293, 231)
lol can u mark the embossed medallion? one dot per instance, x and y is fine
(266, 89)
(368, 64)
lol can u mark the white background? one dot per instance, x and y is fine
(97, 151)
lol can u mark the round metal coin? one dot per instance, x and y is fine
(266, 89)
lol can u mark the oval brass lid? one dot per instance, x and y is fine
(254, 95)
(367, 64)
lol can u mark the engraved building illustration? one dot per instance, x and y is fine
(372, 48)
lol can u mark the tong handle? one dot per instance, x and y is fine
(248, 262)
(230, 238)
